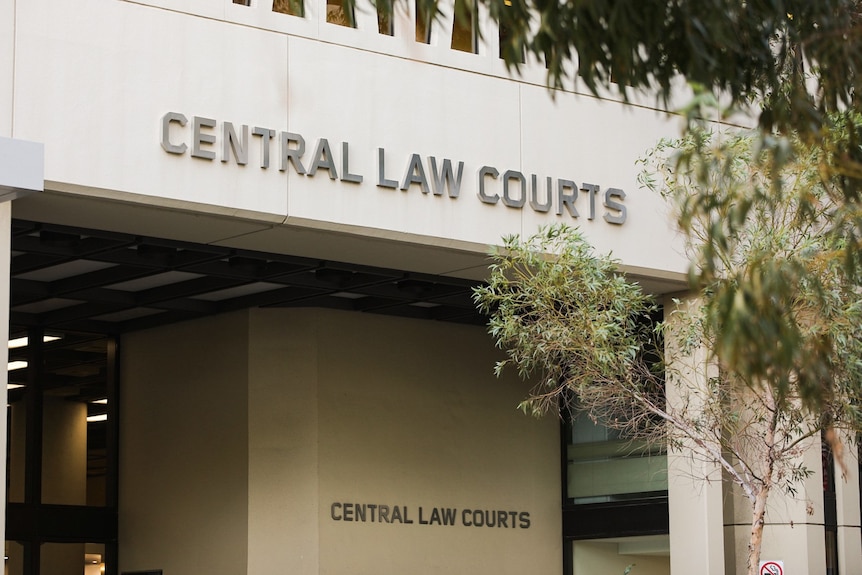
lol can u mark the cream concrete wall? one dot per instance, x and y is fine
(602, 558)
(848, 507)
(793, 530)
(695, 495)
(7, 70)
(7, 65)
(407, 413)
(239, 432)
(64, 452)
(184, 448)
(5, 262)
(93, 80)
(283, 460)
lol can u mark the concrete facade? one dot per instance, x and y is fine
(252, 442)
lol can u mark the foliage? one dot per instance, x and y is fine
(796, 59)
(772, 239)
(772, 218)
(537, 301)
(764, 358)
(780, 301)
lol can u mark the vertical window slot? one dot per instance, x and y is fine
(424, 14)
(341, 12)
(464, 29)
(292, 7)
(385, 17)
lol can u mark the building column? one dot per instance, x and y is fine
(848, 507)
(695, 496)
(695, 506)
(22, 172)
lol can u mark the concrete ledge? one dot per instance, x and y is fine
(22, 168)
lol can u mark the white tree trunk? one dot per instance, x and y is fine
(755, 541)
(759, 508)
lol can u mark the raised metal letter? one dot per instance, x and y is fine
(507, 199)
(446, 178)
(534, 195)
(294, 155)
(265, 136)
(415, 174)
(230, 143)
(346, 176)
(381, 168)
(323, 159)
(487, 171)
(198, 137)
(564, 199)
(591, 190)
(610, 194)
(166, 136)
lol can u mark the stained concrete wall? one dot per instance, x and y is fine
(184, 448)
(248, 439)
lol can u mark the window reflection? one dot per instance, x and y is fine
(423, 20)
(292, 7)
(340, 12)
(384, 17)
(62, 450)
(58, 412)
(603, 467)
(464, 32)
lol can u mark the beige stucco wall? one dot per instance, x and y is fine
(848, 508)
(600, 557)
(291, 410)
(793, 532)
(184, 448)
(411, 415)
(283, 444)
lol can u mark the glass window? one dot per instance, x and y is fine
(14, 558)
(830, 506)
(338, 12)
(292, 7)
(62, 445)
(423, 21)
(613, 486)
(464, 32)
(505, 37)
(602, 467)
(384, 17)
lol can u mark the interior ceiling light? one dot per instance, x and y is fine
(14, 386)
(348, 295)
(22, 341)
(96, 418)
(103, 401)
(13, 365)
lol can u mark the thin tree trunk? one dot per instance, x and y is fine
(759, 511)
(756, 539)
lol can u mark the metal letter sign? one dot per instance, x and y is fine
(771, 568)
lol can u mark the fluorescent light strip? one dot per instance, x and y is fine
(23, 341)
(13, 365)
(97, 417)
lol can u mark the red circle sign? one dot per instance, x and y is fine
(771, 568)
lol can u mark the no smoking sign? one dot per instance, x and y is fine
(771, 568)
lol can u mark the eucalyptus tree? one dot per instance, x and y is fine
(790, 64)
(764, 358)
